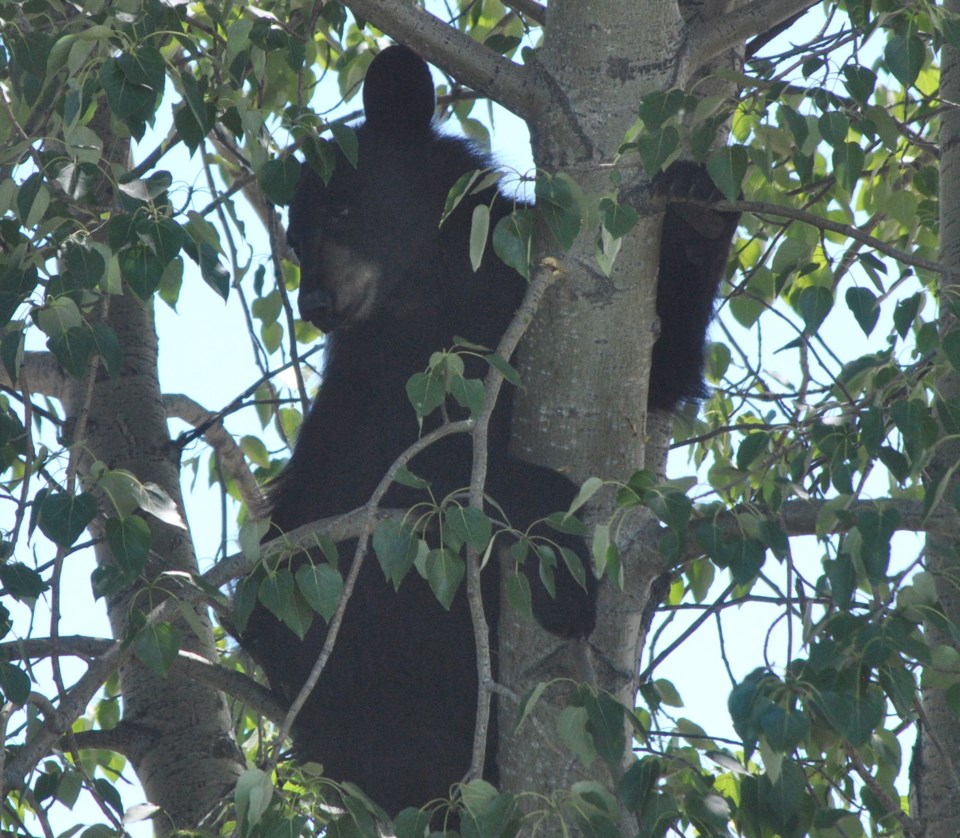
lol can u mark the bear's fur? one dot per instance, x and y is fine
(394, 710)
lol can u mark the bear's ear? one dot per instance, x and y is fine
(398, 95)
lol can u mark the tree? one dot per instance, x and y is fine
(834, 414)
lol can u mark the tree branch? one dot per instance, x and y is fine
(231, 457)
(41, 369)
(537, 12)
(468, 61)
(542, 280)
(708, 38)
(188, 664)
(801, 517)
(848, 230)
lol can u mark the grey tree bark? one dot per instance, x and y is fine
(176, 732)
(935, 769)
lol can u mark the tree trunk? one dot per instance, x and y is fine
(586, 357)
(177, 732)
(935, 771)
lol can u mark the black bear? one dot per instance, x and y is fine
(394, 709)
(694, 248)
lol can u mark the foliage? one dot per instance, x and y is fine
(827, 397)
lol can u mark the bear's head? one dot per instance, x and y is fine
(374, 229)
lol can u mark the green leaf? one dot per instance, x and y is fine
(73, 349)
(863, 304)
(671, 507)
(157, 502)
(21, 582)
(659, 106)
(834, 127)
(783, 801)
(814, 304)
(744, 557)
(668, 693)
(753, 445)
(518, 593)
(617, 220)
(849, 160)
(130, 541)
(656, 147)
(195, 118)
(775, 538)
(146, 67)
(130, 101)
(505, 369)
(876, 527)
(462, 187)
(469, 393)
(572, 727)
(784, 729)
(513, 241)
(445, 572)
(346, 138)
(167, 236)
(950, 344)
(606, 725)
(14, 683)
(320, 585)
(30, 205)
(141, 270)
(83, 266)
(157, 646)
(909, 415)
(904, 56)
(727, 167)
(253, 794)
(797, 124)
(64, 517)
(107, 346)
(426, 392)
(278, 179)
(479, 229)
(16, 286)
(639, 782)
(906, 312)
(211, 269)
(471, 526)
(276, 592)
(412, 823)
(109, 794)
(396, 546)
(859, 81)
(557, 201)
(245, 600)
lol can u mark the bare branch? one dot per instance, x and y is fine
(542, 280)
(537, 12)
(231, 457)
(189, 664)
(801, 517)
(848, 230)
(45, 375)
(468, 61)
(910, 825)
(708, 38)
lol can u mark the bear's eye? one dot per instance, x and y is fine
(338, 213)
